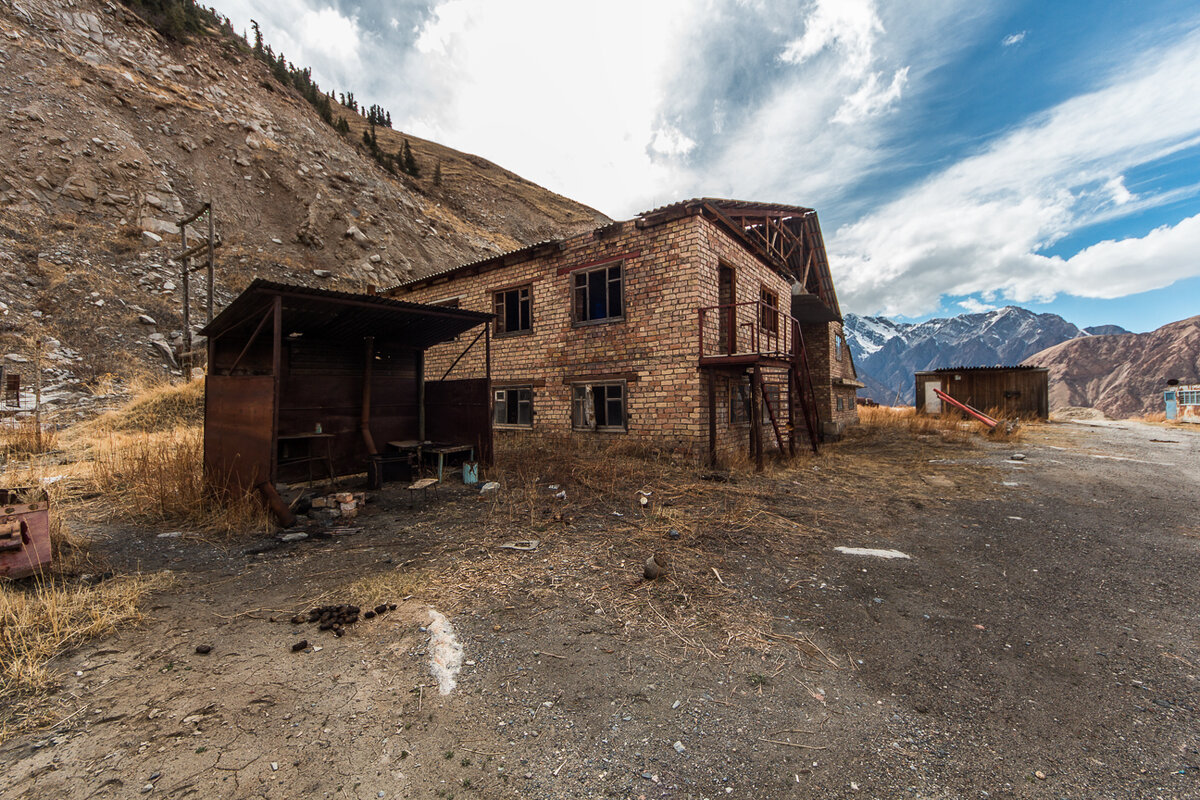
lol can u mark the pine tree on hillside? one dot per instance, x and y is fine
(258, 40)
(410, 163)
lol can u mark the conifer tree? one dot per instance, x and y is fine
(410, 163)
(258, 40)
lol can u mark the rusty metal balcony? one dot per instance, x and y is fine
(752, 332)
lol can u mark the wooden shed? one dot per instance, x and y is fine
(302, 378)
(1020, 391)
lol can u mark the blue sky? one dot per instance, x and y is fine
(962, 155)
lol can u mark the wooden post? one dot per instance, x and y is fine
(276, 347)
(756, 418)
(185, 361)
(211, 259)
(421, 395)
(792, 411)
(712, 420)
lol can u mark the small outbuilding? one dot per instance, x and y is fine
(1019, 391)
(308, 381)
(1182, 402)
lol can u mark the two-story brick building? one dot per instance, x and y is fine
(673, 326)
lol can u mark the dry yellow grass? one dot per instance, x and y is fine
(43, 618)
(22, 438)
(950, 426)
(145, 461)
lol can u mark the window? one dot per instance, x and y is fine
(598, 294)
(841, 404)
(768, 310)
(598, 406)
(514, 406)
(739, 400)
(513, 312)
(837, 346)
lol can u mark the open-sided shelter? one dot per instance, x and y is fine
(303, 379)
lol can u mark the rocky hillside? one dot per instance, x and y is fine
(112, 132)
(1122, 375)
(887, 353)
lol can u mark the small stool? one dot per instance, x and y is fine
(423, 486)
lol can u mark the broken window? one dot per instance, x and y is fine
(598, 294)
(513, 310)
(598, 406)
(837, 346)
(514, 406)
(768, 310)
(739, 400)
(841, 404)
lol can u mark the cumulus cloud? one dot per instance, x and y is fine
(985, 223)
(973, 306)
(1013, 38)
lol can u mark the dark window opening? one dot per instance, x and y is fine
(739, 400)
(841, 404)
(598, 294)
(513, 311)
(837, 346)
(768, 310)
(598, 406)
(514, 406)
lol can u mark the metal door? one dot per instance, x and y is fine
(933, 403)
(1172, 404)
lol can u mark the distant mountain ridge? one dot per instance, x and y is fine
(1122, 375)
(887, 353)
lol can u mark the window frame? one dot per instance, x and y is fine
(624, 398)
(739, 401)
(516, 389)
(500, 309)
(575, 277)
(768, 310)
(839, 342)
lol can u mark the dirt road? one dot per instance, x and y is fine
(1040, 641)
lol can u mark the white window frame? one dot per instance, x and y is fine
(500, 399)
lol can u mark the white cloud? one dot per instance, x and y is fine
(973, 306)
(1013, 38)
(984, 223)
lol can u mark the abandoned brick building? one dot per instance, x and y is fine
(674, 326)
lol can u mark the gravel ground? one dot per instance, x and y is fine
(1039, 641)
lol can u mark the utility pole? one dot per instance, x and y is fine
(207, 246)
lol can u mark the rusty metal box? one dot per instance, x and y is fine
(24, 532)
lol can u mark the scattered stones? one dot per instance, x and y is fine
(300, 645)
(656, 565)
(203, 649)
(146, 319)
(151, 237)
(322, 273)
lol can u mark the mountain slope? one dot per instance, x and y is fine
(887, 353)
(112, 132)
(1122, 375)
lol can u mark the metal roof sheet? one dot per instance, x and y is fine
(343, 315)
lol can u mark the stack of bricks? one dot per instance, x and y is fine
(339, 504)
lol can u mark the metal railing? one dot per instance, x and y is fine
(752, 328)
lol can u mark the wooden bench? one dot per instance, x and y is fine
(423, 486)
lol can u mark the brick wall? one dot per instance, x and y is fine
(670, 271)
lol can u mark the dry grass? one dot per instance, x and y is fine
(19, 438)
(951, 426)
(42, 619)
(153, 408)
(144, 462)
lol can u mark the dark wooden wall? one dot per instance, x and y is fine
(1013, 393)
(460, 411)
(322, 382)
(238, 414)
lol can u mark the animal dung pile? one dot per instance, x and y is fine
(338, 618)
(340, 504)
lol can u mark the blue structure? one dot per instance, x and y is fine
(1183, 403)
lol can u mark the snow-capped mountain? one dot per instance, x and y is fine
(887, 353)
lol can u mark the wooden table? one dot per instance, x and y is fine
(443, 450)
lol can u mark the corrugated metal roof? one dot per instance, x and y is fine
(344, 315)
(529, 248)
(997, 368)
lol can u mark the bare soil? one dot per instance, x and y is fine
(1041, 641)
